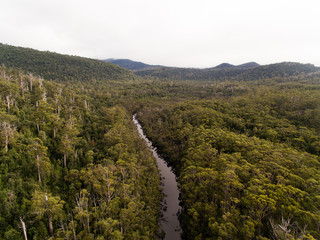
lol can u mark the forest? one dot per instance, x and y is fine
(248, 167)
(243, 143)
(72, 165)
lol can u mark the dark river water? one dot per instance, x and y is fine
(169, 223)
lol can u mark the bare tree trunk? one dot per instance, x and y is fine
(65, 160)
(30, 81)
(108, 193)
(38, 128)
(50, 226)
(21, 85)
(88, 217)
(23, 225)
(38, 166)
(88, 221)
(6, 143)
(3, 72)
(64, 230)
(7, 130)
(73, 230)
(44, 96)
(8, 103)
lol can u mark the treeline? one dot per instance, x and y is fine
(71, 165)
(58, 67)
(248, 166)
(282, 70)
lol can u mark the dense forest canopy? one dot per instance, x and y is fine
(248, 166)
(71, 166)
(244, 144)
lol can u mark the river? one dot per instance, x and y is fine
(170, 223)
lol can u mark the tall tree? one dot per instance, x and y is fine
(7, 128)
(45, 205)
(42, 162)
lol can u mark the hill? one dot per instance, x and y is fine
(60, 67)
(131, 65)
(224, 65)
(248, 65)
(244, 66)
(227, 72)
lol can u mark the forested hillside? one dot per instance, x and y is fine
(58, 67)
(285, 69)
(247, 163)
(131, 65)
(71, 164)
(244, 65)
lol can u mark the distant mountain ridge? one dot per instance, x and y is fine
(130, 64)
(224, 71)
(54, 66)
(223, 66)
(135, 65)
(244, 72)
(248, 65)
(228, 65)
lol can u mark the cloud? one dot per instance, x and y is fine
(180, 33)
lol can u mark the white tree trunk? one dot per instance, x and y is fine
(8, 103)
(6, 143)
(24, 229)
(65, 160)
(73, 230)
(38, 166)
(50, 225)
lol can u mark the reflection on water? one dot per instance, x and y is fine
(170, 223)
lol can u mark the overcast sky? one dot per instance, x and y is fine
(185, 33)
